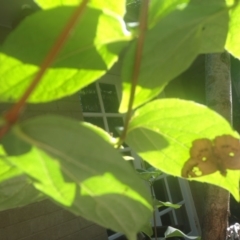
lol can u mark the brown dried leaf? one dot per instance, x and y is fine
(201, 149)
(227, 150)
(206, 158)
(202, 159)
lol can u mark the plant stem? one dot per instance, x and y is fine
(154, 216)
(136, 68)
(13, 114)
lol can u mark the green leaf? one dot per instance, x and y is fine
(48, 4)
(7, 170)
(75, 162)
(173, 232)
(232, 44)
(21, 154)
(167, 129)
(159, 204)
(147, 229)
(11, 146)
(170, 48)
(106, 5)
(47, 173)
(215, 30)
(160, 9)
(83, 59)
(18, 192)
(148, 175)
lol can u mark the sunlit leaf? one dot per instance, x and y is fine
(21, 155)
(173, 232)
(75, 162)
(232, 44)
(164, 54)
(83, 59)
(47, 173)
(18, 192)
(47, 4)
(167, 129)
(108, 5)
(7, 171)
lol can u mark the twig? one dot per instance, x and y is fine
(137, 63)
(13, 114)
(154, 216)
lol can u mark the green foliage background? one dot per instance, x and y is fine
(49, 156)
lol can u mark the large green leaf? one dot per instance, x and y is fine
(91, 50)
(18, 192)
(232, 44)
(167, 129)
(75, 162)
(159, 9)
(21, 154)
(215, 30)
(170, 47)
(38, 165)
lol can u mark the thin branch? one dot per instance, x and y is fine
(137, 64)
(154, 216)
(13, 114)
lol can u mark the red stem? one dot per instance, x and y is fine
(13, 114)
(137, 64)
